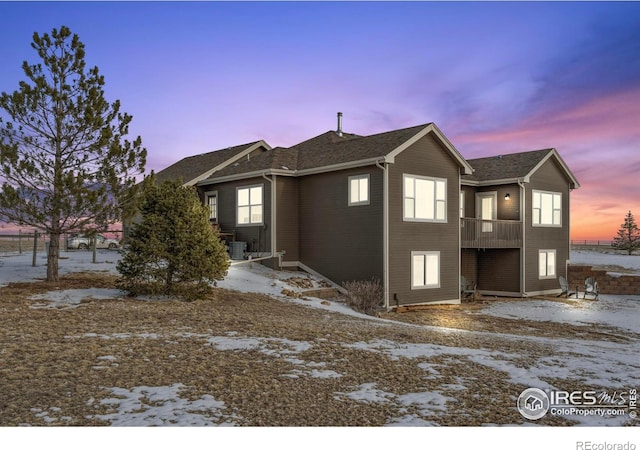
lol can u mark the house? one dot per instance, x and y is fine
(534, 403)
(514, 224)
(398, 206)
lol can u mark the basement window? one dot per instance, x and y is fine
(425, 270)
(547, 264)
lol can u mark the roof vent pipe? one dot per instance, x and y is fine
(339, 131)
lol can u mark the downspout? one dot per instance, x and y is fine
(523, 257)
(273, 211)
(385, 232)
(460, 237)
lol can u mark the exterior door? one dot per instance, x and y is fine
(486, 209)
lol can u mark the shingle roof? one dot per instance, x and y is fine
(192, 166)
(329, 148)
(323, 150)
(511, 166)
(277, 158)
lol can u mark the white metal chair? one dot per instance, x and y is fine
(591, 288)
(564, 285)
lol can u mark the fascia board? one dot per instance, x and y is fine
(494, 182)
(340, 166)
(246, 175)
(227, 162)
(294, 173)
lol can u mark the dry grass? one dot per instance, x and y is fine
(51, 359)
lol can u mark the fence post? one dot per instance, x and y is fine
(35, 247)
(93, 247)
(20, 241)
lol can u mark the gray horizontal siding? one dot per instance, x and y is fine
(339, 241)
(426, 157)
(548, 178)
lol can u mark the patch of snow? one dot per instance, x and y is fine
(324, 374)
(268, 346)
(367, 392)
(162, 406)
(427, 403)
(71, 298)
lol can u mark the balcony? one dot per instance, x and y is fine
(477, 233)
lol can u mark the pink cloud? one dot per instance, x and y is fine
(599, 120)
(599, 139)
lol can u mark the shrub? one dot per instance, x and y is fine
(365, 296)
(172, 250)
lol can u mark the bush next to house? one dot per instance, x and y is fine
(365, 296)
(172, 250)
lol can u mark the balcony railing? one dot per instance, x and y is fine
(477, 233)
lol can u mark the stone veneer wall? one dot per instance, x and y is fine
(608, 284)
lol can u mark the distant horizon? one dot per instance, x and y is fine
(14, 230)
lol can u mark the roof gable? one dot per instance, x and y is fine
(515, 166)
(276, 159)
(198, 167)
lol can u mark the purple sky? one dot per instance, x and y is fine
(495, 77)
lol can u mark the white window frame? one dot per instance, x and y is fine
(547, 271)
(462, 199)
(358, 179)
(425, 255)
(251, 205)
(409, 214)
(213, 214)
(538, 212)
(487, 224)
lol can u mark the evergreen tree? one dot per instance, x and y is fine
(628, 237)
(172, 250)
(64, 163)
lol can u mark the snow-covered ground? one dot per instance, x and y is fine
(609, 258)
(611, 365)
(15, 267)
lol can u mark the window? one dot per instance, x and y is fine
(249, 205)
(425, 199)
(547, 264)
(212, 203)
(547, 209)
(359, 190)
(461, 204)
(425, 270)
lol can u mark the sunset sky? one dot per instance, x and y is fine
(495, 77)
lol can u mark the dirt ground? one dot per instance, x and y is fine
(62, 360)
